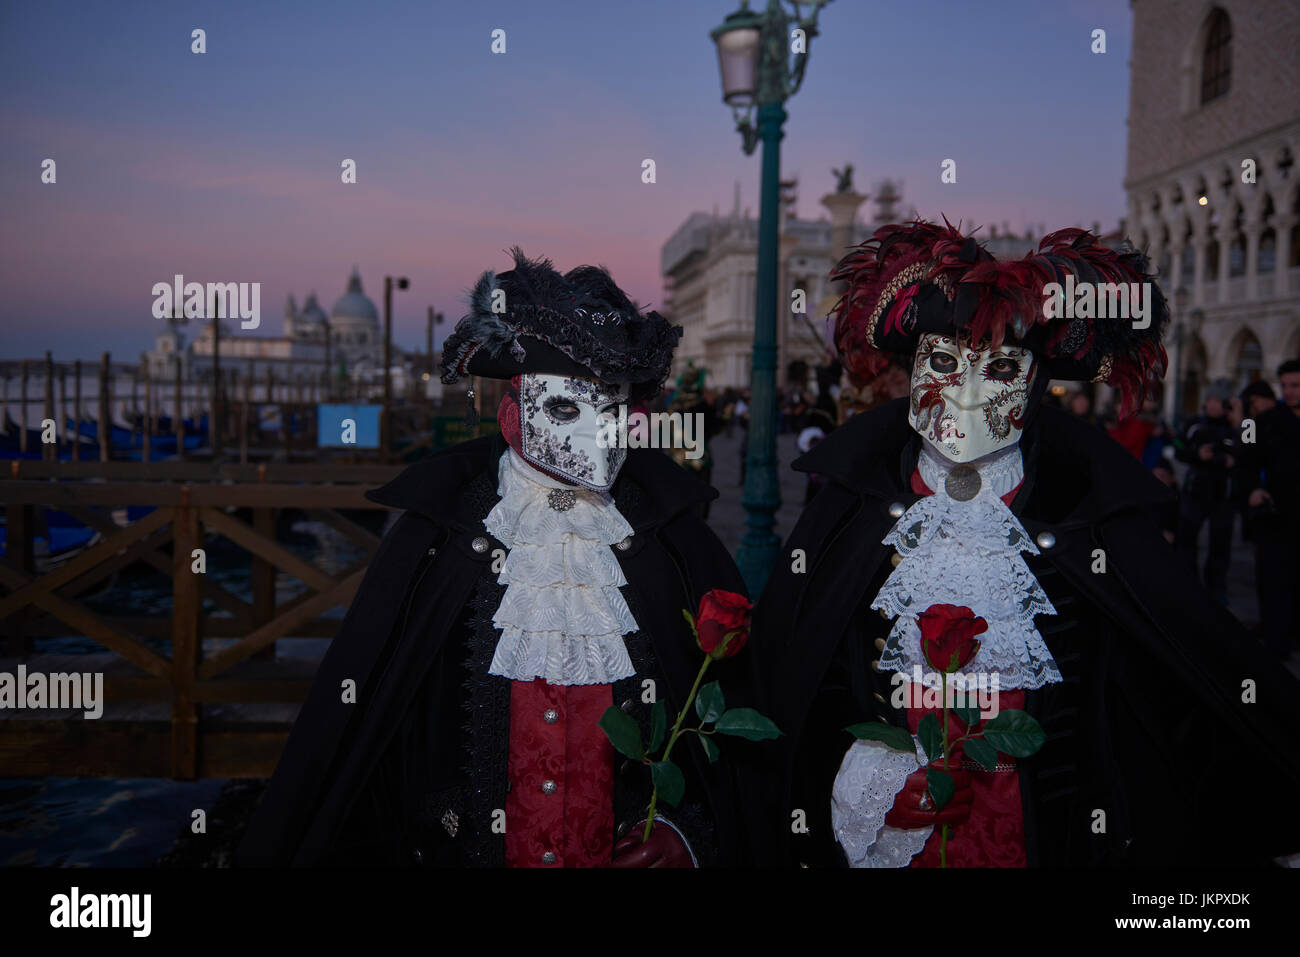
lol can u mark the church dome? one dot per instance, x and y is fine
(311, 311)
(354, 304)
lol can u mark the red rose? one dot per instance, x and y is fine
(721, 613)
(948, 636)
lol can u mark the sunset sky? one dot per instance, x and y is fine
(226, 166)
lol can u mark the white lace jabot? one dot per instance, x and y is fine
(562, 616)
(968, 553)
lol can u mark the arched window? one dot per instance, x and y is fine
(1250, 360)
(1216, 59)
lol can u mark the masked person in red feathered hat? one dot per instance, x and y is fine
(968, 528)
(535, 579)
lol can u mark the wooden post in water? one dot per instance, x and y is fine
(286, 406)
(49, 452)
(424, 396)
(270, 397)
(243, 415)
(186, 640)
(22, 407)
(148, 408)
(263, 572)
(63, 401)
(329, 382)
(134, 420)
(105, 423)
(76, 411)
(178, 425)
(385, 414)
(214, 417)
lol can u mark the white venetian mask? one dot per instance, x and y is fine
(565, 424)
(968, 402)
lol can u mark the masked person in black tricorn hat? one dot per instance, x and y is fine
(536, 578)
(971, 531)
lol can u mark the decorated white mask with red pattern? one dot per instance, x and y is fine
(568, 428)
(969, 402)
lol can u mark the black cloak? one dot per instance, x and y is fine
(1149, 723)
(413, 772)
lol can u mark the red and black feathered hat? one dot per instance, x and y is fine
(920, 277)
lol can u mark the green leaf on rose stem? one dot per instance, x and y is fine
(658, 725)
(748, 724)
(623, 733)
(690, 619)
(931, 734)
(980, 751)
(969, 715)
(887, 734)
(668, 781)
(711, 750)
(709, 703)
(942, 787)
(1015, 733)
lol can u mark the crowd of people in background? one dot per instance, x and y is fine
(1239, 457)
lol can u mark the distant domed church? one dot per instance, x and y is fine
(352, 326)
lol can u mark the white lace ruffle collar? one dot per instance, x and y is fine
(968, 553)
(562, 616)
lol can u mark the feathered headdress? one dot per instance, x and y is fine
(920, 277)
(533, 319)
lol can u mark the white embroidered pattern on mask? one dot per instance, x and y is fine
(565, 427)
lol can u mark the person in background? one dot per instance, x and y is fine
(1134, 432)
(1270, 485)
(1208, 446)
(1167, 514)
(1080, 406)
(692, 399)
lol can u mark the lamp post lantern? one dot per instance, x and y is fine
(762, 58)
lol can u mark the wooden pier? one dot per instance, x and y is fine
(219, 703)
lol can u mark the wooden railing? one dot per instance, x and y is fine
(191, 506)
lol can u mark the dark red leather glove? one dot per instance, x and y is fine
(907, 811)
(664, 849)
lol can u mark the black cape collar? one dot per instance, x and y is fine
(650, 488)
(1074, 472)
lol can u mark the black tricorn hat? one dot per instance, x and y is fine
(533, 319)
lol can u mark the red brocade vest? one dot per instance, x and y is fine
(560, 802)
(994, 834)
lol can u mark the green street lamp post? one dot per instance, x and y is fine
(386, 421)
(762, 57)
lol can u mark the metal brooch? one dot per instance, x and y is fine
(963, 483)
(451, 822)
(562, 499)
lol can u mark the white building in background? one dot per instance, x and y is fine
(709, 266)
(1213, 86)
(350, 339)
(710, 277)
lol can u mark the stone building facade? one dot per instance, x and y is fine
(710, 265)
(1214, 102)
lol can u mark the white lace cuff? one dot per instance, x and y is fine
(869, 780)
